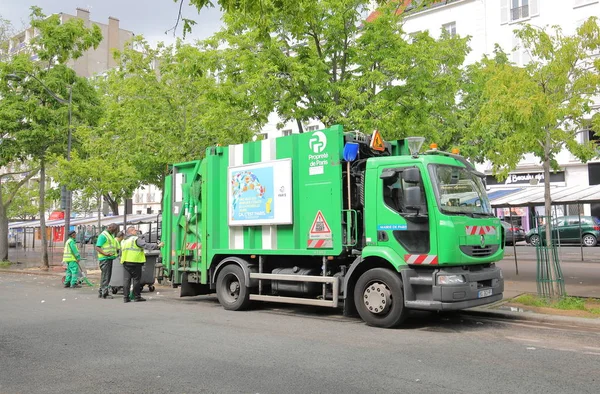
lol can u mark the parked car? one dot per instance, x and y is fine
(566, 230)
(87, 237)
(512, 233)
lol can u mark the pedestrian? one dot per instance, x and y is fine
(119, 238)
(133, 258)
(107, 247)
(71, 258)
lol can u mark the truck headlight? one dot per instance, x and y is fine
(450, 279)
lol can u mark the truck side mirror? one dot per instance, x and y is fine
(411, 175)
(413, 199)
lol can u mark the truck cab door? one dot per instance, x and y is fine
(402, 214)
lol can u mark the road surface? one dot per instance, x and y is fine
(55, 340)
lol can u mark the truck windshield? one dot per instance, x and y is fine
(459, 191)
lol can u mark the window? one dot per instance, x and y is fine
(287, 132)
(459, 191)
(312, 128)
(263, 136)
(450, 28)
(517, 10)
(520, 55)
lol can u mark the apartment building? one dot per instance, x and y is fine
(93, 61)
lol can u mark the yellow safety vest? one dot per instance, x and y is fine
(110, 246)
(131, 253)
(68, 253)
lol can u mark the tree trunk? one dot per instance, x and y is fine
(112, 203)
(548, 212)
(300, 128)
(3, 231)
(99, 207)
(45, 263)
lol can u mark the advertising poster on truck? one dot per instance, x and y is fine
(260, 193)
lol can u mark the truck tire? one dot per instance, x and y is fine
(232, 292)
(379, 298)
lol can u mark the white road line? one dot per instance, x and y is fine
(523, 339)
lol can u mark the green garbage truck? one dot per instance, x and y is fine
(332, 218)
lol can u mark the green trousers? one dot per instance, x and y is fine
(72, 273)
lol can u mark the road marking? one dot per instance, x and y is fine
(592, 348)
(523, 339)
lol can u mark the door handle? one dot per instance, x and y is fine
(382, 236)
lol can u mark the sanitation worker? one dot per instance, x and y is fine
(71, 258)
(133, 258)
(107, 247)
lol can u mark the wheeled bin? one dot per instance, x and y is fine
(149, 268)
(116, 276)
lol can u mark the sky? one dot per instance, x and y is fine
(150, 18)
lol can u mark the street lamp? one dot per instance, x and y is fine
(17, 78)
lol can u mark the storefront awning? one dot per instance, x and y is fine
(534, 196)
(104, 221)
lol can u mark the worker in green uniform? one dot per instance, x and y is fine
(71, 258)
(107, 247)
(133, 259)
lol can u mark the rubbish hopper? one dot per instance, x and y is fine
(148, 269)
(116, 276)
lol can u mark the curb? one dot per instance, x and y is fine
(50, 272)
(532, 316)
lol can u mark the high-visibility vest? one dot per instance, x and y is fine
(131, 253)
(68, 253)
(109, 247)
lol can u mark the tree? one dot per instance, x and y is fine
(321, 60)
(6, 32)
(166, 104)
(541, 107)
(33, 123)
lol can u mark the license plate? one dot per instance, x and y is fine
(484, 293)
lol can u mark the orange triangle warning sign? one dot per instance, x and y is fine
(377, 142)
(320, 228)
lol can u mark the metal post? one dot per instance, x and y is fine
(260, 271)
(580, 235)
(324, 274)
(68, 196)
(514, 242)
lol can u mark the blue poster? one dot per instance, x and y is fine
(252, 194)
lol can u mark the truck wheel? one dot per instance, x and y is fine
(379, 298)
(231, 288)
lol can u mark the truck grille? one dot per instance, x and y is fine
(478, 251)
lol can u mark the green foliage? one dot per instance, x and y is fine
(163, 106)
(5, 264)
(6, 32)
(564, 303)
(538, 108)
(320, 60)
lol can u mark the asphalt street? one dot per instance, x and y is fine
(55, 340)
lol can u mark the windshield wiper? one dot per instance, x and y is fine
(483, 214)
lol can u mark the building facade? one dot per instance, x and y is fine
(93, 61)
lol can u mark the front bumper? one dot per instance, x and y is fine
(422, 292)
